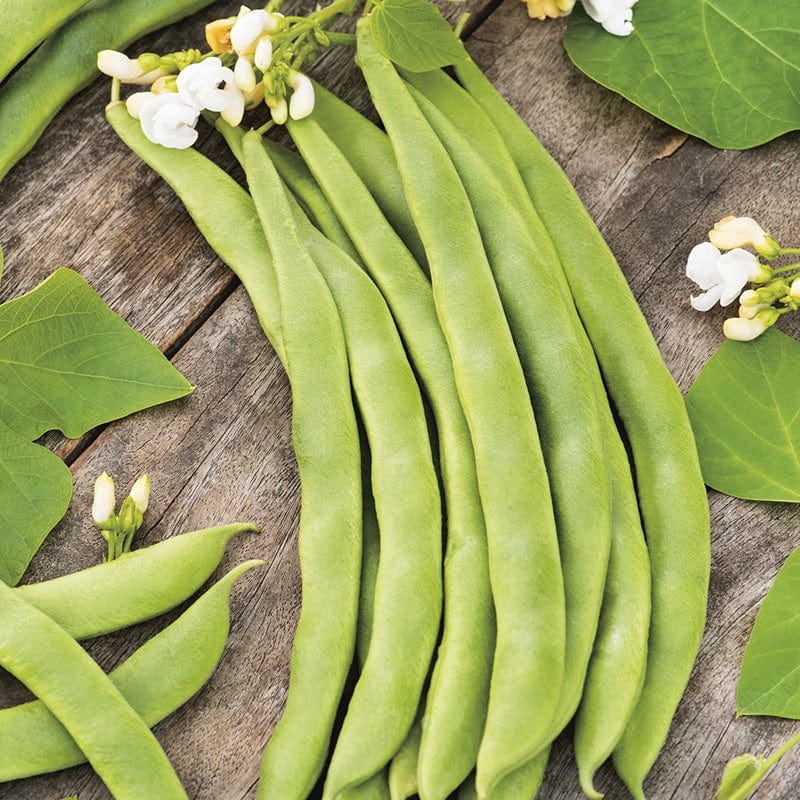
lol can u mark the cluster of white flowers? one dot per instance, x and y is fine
(616, 16)
(723, 277)
(170, 109)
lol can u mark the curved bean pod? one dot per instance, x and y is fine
(217, 206)
(525, 571)
(408, 592)
(672, 496)
(26, 23)
(86, 603)
(614, 676)
(326, 444)
(116, 742)
(156, 679)
(456, 701)
(558, 365)
(67, 61)
(403, 781)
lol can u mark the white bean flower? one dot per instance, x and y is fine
(249, 27)
(743, 329)
(167, 120)
(721, 277)
(209, 85)
(614, 15)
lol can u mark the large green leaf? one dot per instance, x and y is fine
(35, 487)
(745, 411)
(68, 362)
(414, 35)
(727, 71)
(769, 682)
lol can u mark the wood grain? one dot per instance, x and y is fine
(80, 199)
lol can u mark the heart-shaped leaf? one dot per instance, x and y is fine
(769, 682)
(68, 362)
(35, 487)
(414, 35)
(727, 71)
(745, 412)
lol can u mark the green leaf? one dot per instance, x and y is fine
(68, 362)
(414, 35)
(741, 774)
(727, 71)
(744, 412)
(769, 682)
(35, 488)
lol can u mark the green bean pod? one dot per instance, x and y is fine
(67, 61)
(87, 603)
(368, 150)
(456, 701)
(217, 206)
(670, 488)
(115, 740)
(296, 175)
(156, 679)
(614, 676)
(326, 444)
(26, 23)
(408, 592)
(525, 572)
(403, 781)
(558, 364)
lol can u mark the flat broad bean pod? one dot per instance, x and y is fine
(326, 444)
(26, 23)
(87, 603)
(67, 61)
(456, 700)
(672, 496)
(408, 593)
(615, 673)
(525, 571)
(217, 205)
(115, 740)
(156, 680)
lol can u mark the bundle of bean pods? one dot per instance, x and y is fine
(81, 714)
(505, 569)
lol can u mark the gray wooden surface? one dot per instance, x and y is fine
(80, 199)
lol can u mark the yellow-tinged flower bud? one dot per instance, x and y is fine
(140, 493)
(794, 289)
(731, 232)
(544, 9)
(742, 329)
(218, 35)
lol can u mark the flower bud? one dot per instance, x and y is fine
(544, 9)
(140, 493)
(104, 499)
(301, 103)
(279, 110)
(263, 54)
(243, 75)
(118, 65)
(794, 289)
(742, 329)
(732, 232)
(750, 312)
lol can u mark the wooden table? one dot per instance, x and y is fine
(81, 199)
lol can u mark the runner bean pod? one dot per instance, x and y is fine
(67, 61)
(326, 444)
(114, 738)
(151, 580)
(156, 679)
(526, 579)
(456, 700)
(670, 488)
